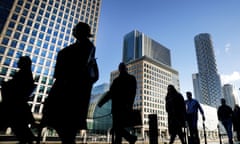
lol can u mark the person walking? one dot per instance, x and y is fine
(66, 107)
(15, 95)
(225, 114)
(175, 107)
(192, 107)
(236, 121)
(122, 93)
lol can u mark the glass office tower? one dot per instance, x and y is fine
(209, 80)
(39, 29)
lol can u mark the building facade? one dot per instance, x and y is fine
(136, 44)
(39, 29)
(195, 79)
(99, 118)
(208, 78)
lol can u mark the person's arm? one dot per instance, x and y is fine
(104, 99)
(219, 114)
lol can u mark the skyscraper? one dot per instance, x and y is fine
(150, 63)
(229, 96)
(208, 79)
(40, 29)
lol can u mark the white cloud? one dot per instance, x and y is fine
(227, 47)
(235, 76)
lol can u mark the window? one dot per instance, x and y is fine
(39, 18)
(25, 12)
(4, 71)
(29, 23)
(19, 27)
(41, 61)
(10, 52)
(32, 15)
(29, 49)
(9, 32)
(27, 30)
(24, 38)
(39, 43)
(34, 59)
(5, 41)
(11, 24)
(43, 53)
(41, 35)
(7, 61)
(27, 5)
(21, 46)
(14, 43)
(34, 32)
(18, 9)
(32, 40)
(22, 20)
(14, 17)
(50, 55)
(36, 25)
(2, 49)
(41, 12)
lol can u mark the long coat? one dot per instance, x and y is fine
(68, 100)
(175, 107)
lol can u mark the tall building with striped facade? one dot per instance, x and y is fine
(209, 84)
(150, 63)
(39, 29)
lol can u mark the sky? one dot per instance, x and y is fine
(172, 23)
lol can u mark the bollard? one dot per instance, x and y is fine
(153, 129)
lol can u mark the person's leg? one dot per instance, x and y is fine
(118, 136)
(228, 127)
(172, 137)
(23, 133)
(67, 135)
(191, 132)
(181, 136)
(130, 138)
(196, 136)
(191, 126)
(238, 134)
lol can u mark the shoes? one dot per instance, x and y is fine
(133, 140)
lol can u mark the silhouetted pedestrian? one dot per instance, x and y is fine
(16, 93)
(67, 104)
(236, 121)
(175, 107)
(122, 93)
(193, 106)
(224, 114)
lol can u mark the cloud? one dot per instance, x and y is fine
(227, 47)
(235, 76)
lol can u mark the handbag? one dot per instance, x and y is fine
(92, 66)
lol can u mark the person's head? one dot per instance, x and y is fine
(223, 101)
(24, 62)
(81, 31)
(122, 67)
(189, 95)
(171, 89)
